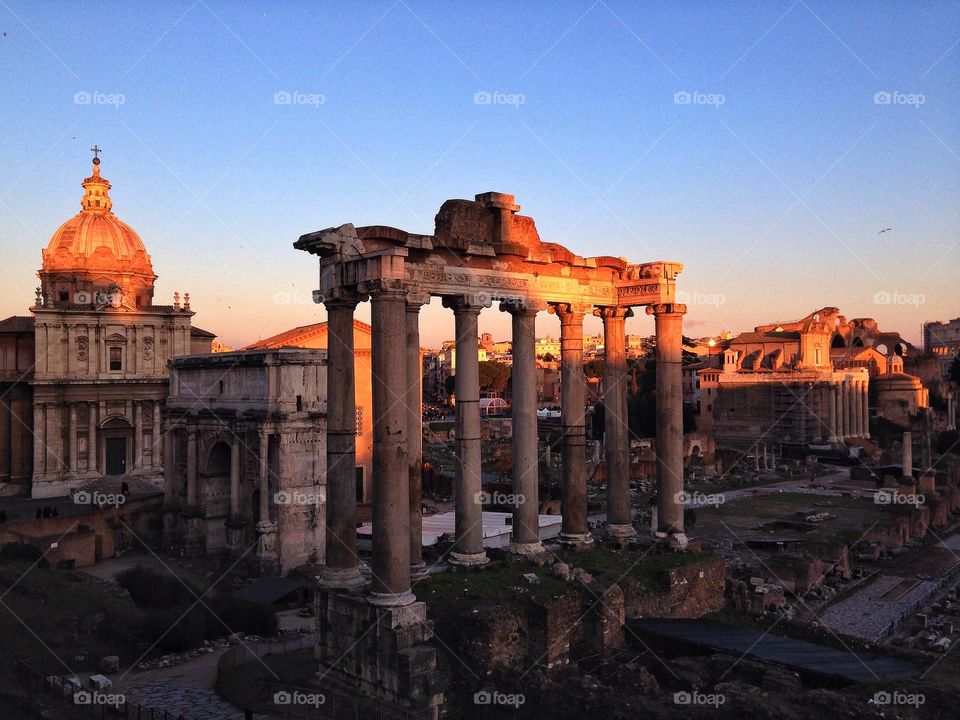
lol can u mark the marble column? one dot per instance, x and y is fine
(669, 328)
(264, 457)
(138, 433)
(39, 432)
(342, 568)
(157, 436)
(192, 490)
(169, 468)
(92, 437)
(857, 408)
(21, 439)
(865, 399)
(574, 528)
(832, 402)
(907, 461)
(952, 412)
(54, 440)
(848, 408)
(390, 583)
(616, 428)
(72, 438)
(414, 406)
(6, 436)
(266, 528)
(525, 530)
(235, 476)
(841, 411)
(468, 545)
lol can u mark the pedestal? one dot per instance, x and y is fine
(267, 561)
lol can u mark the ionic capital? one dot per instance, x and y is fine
(522, 307)
(470, 304)
(339, 298)
(666, 309)
(383, 288)
(416, 298)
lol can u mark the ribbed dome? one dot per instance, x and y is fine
(96, 240)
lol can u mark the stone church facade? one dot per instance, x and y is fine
(84, 378)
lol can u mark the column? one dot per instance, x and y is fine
(414, 404)
(952, 412)
(138, 433)
(865, 399)
(525, 530)
(468, 546)
(390, 584)
(841, 411)
(857, 408)
(169, 468)
(192, 490)
(6, 438)
(235, 476)
(669, 329)
(21, 438)
(574, 529)
(54, 440)
(264, 509)
(157, 436)
(39, 433)
(92, 448)
(342, 567)
(832, 400)
(72, 438)
(907, 462)
(616, 428)
(850, 419)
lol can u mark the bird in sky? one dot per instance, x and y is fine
(884, 230)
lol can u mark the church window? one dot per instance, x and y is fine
(116, 358)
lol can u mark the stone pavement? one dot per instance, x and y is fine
(194, 703)
(867, 612)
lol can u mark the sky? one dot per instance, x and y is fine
(764, 145)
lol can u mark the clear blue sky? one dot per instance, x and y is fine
(773, 199)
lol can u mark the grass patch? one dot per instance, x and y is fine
(632, 565)
(490, 585)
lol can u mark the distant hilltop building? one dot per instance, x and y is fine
(83, 379)
(943, 340)
(819, 379)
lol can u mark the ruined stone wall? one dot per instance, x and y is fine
(692, 591)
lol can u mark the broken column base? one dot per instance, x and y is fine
(674, 540)
(381, 653)
(576, 540)
(621, 534)
(468, 559)
(533, 551)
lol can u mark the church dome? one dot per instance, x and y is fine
(95, 249)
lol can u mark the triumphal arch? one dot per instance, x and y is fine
(482, 253)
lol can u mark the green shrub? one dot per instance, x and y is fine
(150, 588)
(235, 615)
(174, 629)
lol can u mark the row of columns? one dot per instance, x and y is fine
(397, 434)
(849, 415)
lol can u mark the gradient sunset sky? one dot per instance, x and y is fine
(764, 145)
